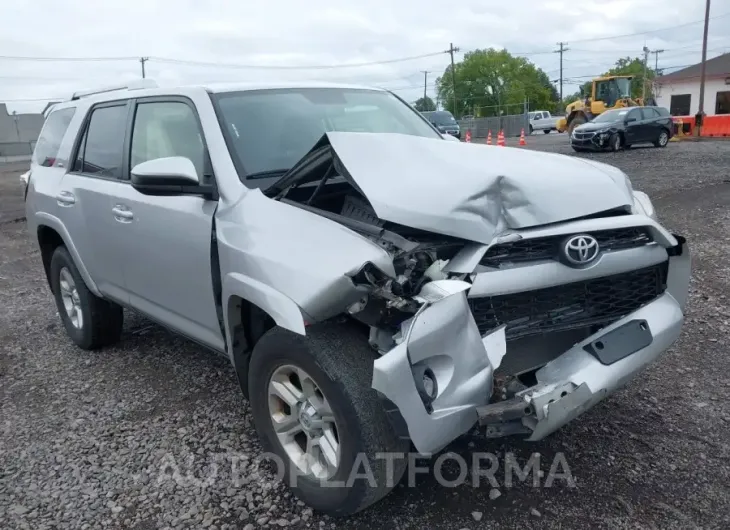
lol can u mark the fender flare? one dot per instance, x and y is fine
(282, 309)
(46, 219)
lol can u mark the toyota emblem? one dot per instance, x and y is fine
(581, 250)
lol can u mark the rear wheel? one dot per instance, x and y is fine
(90, 321)
(662, 140)
(546, 131)
(313, 407)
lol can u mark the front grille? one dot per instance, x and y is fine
(583, 136)
(548, 247)
(600, 301)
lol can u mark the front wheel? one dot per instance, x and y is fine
(531, 129)
(313, 407)
(662, 140)
(546, 131)
(615, 142)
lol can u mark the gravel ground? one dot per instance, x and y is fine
(143, 435)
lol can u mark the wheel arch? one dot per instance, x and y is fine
(251, 308)
(50, 234)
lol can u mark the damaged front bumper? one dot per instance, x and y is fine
(443, 341)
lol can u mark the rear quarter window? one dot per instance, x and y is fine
(52, 133)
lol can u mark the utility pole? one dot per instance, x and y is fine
(143, 60)
(425, 82)
(643, 81)
(656, 60)
(453, 73)
(562, 50)
(701, 111)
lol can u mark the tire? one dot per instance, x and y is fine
(662, 140)
(100, 322)
(546, 131)
(531, 129)
(614, 142)
(577, 120)
(340, 362)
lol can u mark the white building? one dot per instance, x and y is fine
(680, 90)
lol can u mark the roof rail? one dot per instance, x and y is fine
(131, 85)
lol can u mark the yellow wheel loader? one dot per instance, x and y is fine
(610, 92)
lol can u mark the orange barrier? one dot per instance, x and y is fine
(716, 126)
(468, 136)
(489, 137)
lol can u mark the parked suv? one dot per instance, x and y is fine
(621, 128)
(374, 286)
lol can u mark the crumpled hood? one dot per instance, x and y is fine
(474, 191)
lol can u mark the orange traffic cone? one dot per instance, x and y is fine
(500, 138)
(489, 137)
(468, 137)
(522, 137)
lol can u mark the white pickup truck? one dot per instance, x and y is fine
(541, 120)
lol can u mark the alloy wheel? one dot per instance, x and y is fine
(70, 298)
(304, 422)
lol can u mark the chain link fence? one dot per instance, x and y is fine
(512, 125)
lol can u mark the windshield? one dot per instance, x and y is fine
(441, 118)
(611, 116)
(624, 87)
(268, 131)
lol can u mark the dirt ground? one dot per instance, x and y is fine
(87, 439)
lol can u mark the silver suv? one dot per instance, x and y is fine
(374, 285)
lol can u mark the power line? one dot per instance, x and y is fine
(649, 31)
(294, 67)
(223, 65)
(65, 59)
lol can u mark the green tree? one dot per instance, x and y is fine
(489, 80)
(424, 104)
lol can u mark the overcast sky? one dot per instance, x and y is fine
(329, 32)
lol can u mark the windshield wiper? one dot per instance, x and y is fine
(267, 174)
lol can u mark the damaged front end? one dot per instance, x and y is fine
(485, 316)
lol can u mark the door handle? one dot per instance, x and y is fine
(65, 198)
(122, 213)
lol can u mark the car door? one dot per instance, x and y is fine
(633, 127)
(86, 193)
(167, 248)
(651, 124)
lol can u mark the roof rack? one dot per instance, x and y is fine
(133, 85)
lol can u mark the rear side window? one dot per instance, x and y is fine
(101, 148)
(649, 113)
(49, 141)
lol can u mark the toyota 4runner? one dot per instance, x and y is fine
(373, 285)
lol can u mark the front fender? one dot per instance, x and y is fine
(282, 309)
